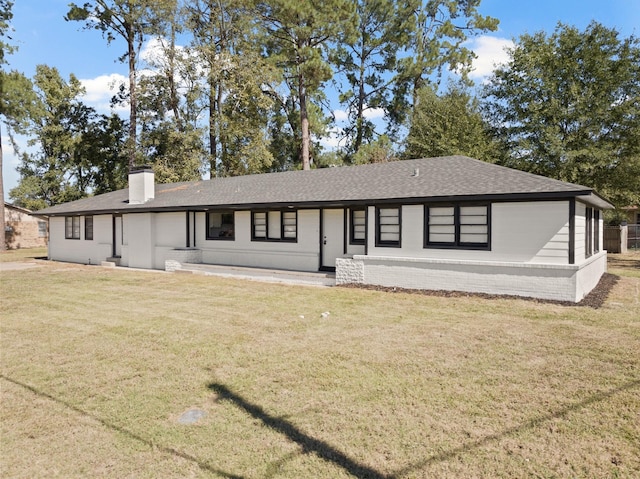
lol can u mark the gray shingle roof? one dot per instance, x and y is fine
(437, 179)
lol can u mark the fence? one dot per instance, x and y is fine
(620, 239)
(633, 236)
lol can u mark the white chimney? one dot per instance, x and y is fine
(141, 185)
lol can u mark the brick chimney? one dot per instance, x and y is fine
(141, 185)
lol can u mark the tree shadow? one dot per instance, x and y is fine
(126, 432)
(530, 424)
(308, 443)
(331, 454)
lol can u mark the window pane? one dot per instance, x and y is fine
(68, 227)
(358, 220)
(260, 225)
(389, 225)
(42, 229)
(88, 228)
(289, 224)
(474, 227)
(441, 237)
(274, 225)
(221, 225)
(442, 227)
(76, 227)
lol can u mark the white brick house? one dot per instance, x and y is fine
(450, 223)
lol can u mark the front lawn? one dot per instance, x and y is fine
(99, 365)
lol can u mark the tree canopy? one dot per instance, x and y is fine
(567, 106)
(241, 86)
(448, 124)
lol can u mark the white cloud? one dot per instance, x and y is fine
(491, 52)
(153, 51)
(369, 113)
(333, 140)
(101, 89)
(373, 113)
(341, 115)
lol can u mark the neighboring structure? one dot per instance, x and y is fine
(23, 228)
(633, 214)
(451, 223)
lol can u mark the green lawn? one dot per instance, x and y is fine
(98, 365)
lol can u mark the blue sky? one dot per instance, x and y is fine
(43, 37)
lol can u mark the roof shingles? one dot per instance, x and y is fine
(422, 179)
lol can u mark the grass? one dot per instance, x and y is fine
(99, 364)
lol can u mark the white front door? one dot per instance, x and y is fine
(332, 237)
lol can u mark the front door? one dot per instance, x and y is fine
(331, 237)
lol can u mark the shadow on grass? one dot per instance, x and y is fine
(531, 424)
(331, 454)
(308, 443)
(322, 449)
(123, 431)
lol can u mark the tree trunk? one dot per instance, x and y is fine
(304, 124)
(3, 241)
(132, 97)
(360, 118)
(213, 145)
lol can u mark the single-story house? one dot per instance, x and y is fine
(449, 223)
(23, 228)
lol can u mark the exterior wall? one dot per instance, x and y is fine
(590, 273)
(302, 255)
(528, 232)
(170, 234)
(528, 256)
(545, 281)
(22, 230)
(141, 239)
(81, 250)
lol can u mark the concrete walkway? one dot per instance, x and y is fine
(262, 274)
(16, 265)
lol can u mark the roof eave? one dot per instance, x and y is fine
(587, 196)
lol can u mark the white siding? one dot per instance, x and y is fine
(141, 237)
(81, 250)
(530, 232)
(302, 255)
(536, 232)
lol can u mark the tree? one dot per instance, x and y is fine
(439, 30)
(567, 105)
(224, 43)
(54, 121)
(130, 20)
(297, 35)
(450, 124)
(77, 151)
(5, 17)
(367, 64)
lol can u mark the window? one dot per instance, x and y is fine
(72, 227)
(588, 234)
(592, 231)
(388, 220)
(596, 231)
(358, 226)
(220, 225)
(457, 226)
(274, 225)
(259, 220)
(88, 228)
(42, 229)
